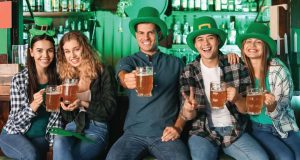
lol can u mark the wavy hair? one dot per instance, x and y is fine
(51, 72)
(91, 64)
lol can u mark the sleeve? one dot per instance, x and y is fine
(125, 64)
(281, 86)
(104, 104)
(20, 108)
(245, 80)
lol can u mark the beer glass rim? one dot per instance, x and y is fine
(70, 81)
(255, 89)
(57, 88)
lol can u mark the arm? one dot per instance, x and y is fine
(127, 80)
(21, 112)
(104, 102)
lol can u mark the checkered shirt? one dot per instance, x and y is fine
(20, 116)
(281, 85)
(234, 75)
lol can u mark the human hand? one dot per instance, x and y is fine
(233, 58)
(129, 80)
(190, 105)
(170, 133)
(270, 102)
(231, 94)
(37, 100)
(72, 106)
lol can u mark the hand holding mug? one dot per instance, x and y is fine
(37, 100)
(130, 80)
(231, 94)
(270, 102)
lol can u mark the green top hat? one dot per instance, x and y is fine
(205, 25)
(259, 31)
(42, 26)
(148, 15)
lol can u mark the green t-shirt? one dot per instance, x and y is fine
(262, 117)
(39, 123)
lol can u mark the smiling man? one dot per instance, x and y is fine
(213, 129)
(148, 117)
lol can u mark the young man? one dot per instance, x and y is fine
(148, 117)
(214, 129)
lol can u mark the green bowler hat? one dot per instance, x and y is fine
(148, 15)
(42, 26)
(205, 25)
(258, 31)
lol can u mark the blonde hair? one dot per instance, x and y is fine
(91, 64)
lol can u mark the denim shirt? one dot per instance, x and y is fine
(148, 116)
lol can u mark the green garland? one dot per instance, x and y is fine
(122, 4)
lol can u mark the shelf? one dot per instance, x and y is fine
(225, 49)
(212, 13)
(58, 14)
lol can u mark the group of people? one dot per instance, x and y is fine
(180, 98)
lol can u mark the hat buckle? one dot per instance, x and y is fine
(44, 27)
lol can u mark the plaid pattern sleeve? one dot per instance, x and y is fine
(20, 116)
(281, 85)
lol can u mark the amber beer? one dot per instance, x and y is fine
(218, 95)
(144, 82)
(254, 100)
(69, 91)
(53, 93)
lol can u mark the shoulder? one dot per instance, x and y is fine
(21, 76)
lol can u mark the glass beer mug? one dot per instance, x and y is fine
(218, 95)
(254, 100)
(53, 93)
(144, 82)
(69, 91)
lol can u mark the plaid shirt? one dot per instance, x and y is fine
(20, 116)
(281, 86)
(234, 75)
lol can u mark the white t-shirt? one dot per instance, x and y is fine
(220, 117)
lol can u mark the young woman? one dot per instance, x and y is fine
(25, 135)
(96, 102)
(275, 127)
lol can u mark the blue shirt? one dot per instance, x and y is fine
(148, 116)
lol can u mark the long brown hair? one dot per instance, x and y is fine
(32, 73)
(264, 63)
(91, 64)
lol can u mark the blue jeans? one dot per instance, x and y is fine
(245, 148)
(133, 147)
(278, 148)
(17, 146)
(69, 148)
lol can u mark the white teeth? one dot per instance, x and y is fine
(206, 49)
(44, 60)
(146, 43)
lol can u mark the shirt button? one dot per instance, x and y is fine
(155, 85)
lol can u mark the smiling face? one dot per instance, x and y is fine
(207, 45)
(43, 53)
(73, 52)
(253, 48)
(147, 38)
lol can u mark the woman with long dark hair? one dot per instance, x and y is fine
(26, 133)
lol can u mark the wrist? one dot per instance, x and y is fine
(178, 129)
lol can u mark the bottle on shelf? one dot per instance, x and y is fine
(211, 5)
(70, 5)
(55, 6)
(175, 5)
(197, 5)
(48, 6)
(86, 31)
(204, 6)
(177, 36)
(25, 7)
(86, 5)
(224, 5)
(39, 5)
(32, 5)
(245, 6)
(191, 5)
(60, 33)
(218, 5)
(73, 25)
(77, 5)
(183, 4)
(67, 26)
(238, 5)
(253, 6)
(230, 5)
(25, 33)
(64, 5)
(232, 31)
(185, 32)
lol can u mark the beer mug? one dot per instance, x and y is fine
(144, 81)
(254, 100)
(69, 91)
(53, 93)
(218, 95)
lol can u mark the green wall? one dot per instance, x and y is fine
(3, 41)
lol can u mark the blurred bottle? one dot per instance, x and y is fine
(25, 7)
(25, 33)
(60, 33)
(64, 5)
(191, 5)
(175, 5)
(204, 5)
(230, 5)
(253, 6)
(245, 6)
(73, 25)
(77, 4)
(211, 5)
(218, 5)
(67, 27)
(55, 5)
(183, 4)
(39, 5)
(185, 32)
(32, 5)
(86, 31)
(70, 5)
(47, 5)
(238, 5)
(232, 31)
(177, 36)
(197, 5)
(224, 5)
